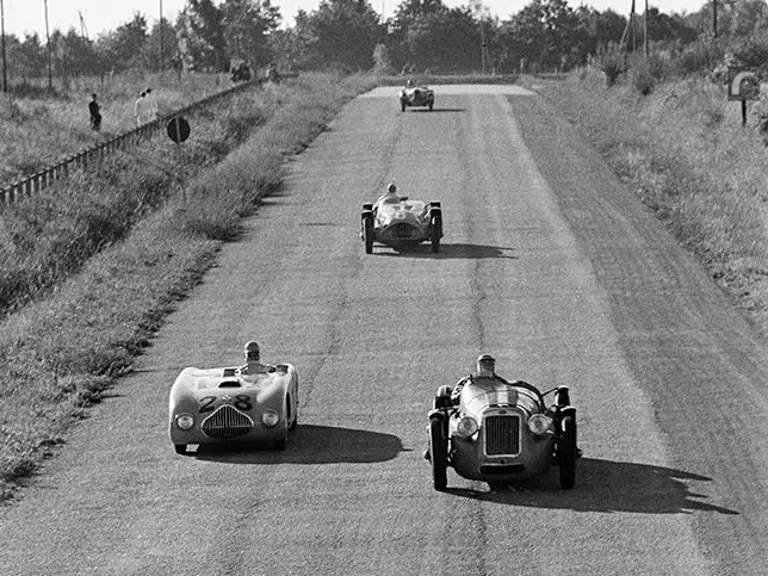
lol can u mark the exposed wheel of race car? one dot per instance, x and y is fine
(430, 107)
(293, 419)
(563, 397)
(402, 105)
(566, 453)
(282, 440)
(368, 233)
(436, 230)
(180, 448)
(438, 453)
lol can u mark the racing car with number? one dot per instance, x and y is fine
(501, 432)
(226, 405)
(401, 224)
(416, 96)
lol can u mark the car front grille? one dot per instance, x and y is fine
(227, 422)
(502, 435)
(403, 231)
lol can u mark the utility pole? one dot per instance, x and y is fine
(2, 40)
(482, 43)
(48, 44)
(714, 18)
(645, 31)
(161, 36)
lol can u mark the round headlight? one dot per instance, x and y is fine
(185, 421)
(467, 426)
(270, 418)
(539, 424)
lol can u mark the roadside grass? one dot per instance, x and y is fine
(39, 128)
(684, 152)
(68, 344)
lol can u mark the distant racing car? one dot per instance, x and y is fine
(401, 224)
(416, 96)
(224, 405)
(502, 431)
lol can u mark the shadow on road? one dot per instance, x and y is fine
(606, 486)
(435, 110)
(310, 444)
(450, 252)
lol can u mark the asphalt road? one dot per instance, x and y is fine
(548, 263)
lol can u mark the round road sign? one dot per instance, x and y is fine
(178, 129)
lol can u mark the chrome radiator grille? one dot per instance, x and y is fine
(227, 422)
(403, 231)
(502, 435)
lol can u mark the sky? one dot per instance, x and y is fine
(101, 16)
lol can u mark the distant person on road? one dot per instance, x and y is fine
(95, 111)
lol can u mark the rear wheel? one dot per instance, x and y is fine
(438, 453)
(430, 106)
(402, 106)
(282, 440)
(435, 231)
(566, 453)
(180, 448)
(368, 234)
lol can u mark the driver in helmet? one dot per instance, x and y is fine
(389, 197)
(486, 368)
(253, 360)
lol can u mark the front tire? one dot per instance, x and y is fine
(368, 234)
(438, 453)
(180, 448)
(435, 231)
(402, 106)
(566, 453)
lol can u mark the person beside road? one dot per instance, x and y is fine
(95, 111)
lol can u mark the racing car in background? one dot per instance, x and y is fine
(501, 432)
(413, 95)
(401, 224)
(224, 405)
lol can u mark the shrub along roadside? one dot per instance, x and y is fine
(683, 151)
(58, 354)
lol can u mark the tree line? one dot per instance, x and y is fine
(422, 36)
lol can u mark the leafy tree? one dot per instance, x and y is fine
(247, 26)
(170, 46)
(123, 48)
(545, 30)
(345, 32)
(201, 31)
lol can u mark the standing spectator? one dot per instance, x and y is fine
(140, 109)
(151, 105)
(95, 111)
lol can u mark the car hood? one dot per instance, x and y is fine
(229, 381)
(408, 212)
(484, 393)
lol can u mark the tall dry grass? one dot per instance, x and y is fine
(38, 128)
(684, 151)
(59, 352)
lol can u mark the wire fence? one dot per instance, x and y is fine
(36, 182)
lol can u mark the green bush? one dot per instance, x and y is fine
(613, 63)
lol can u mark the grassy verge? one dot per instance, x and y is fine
(60, 352)
(39, 128)
(684, 152)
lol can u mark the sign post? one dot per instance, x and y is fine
(178, 130)
(743, 85)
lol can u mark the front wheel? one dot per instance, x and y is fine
(180, 448)
(435, 232)
(566, 453)
(438, 453)
(368, 234)
(402, 106)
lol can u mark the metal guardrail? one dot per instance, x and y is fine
(36, 182)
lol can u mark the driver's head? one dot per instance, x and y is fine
(486, 364)
(251, 351)
(391, 188)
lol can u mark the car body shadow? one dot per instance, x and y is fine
(450, 252)
(310, 444)
(606, 486)
(435, 110)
